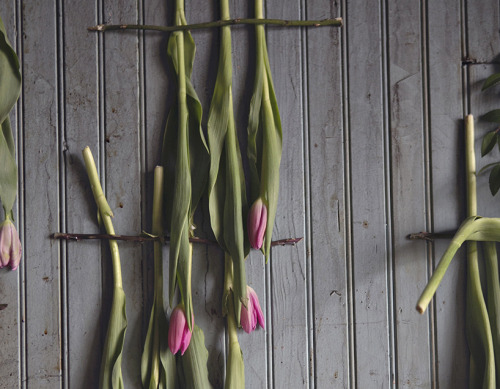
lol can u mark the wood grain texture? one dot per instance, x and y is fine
(448, 189)
(372, 151)
(81, 128)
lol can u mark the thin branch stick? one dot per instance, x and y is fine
(142, 239)
(430, 236)
(336, 22)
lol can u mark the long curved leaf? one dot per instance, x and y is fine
(264, 136)
(226, 183)
(194, 363)
(111, 372)
(10, 88)
(185, 158)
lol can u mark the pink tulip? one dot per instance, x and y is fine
(179, 335)
(10, 245)
(252, 314)
(256, 223)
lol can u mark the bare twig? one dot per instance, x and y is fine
(430, 236)
(149, 238)
(336, 22)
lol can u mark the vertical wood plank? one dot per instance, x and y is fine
(290, 356)
(327, 204)
(11, 315)
(81, 108)
(208, 262)
(368, 191)
(409, 179)
(446, 128)
(123, 128)
(41, 255)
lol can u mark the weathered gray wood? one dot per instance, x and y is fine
(11, 295)
(409, 137)
(41, 142)
(288, 283)
(326, 237)
(123, 169)
(369, 209)
(81, 124)
(447, 144)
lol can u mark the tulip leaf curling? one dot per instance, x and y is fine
(264, 135)
(10, 89)
(185, 159)
(226, 183)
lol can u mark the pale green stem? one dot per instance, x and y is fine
(105, 213)
(465, 230)
(228, 285)
(157, 229)
(470, 166)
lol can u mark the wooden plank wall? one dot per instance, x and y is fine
(372, 117)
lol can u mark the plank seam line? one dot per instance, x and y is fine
(268, 279)
(21, 200)
(100, 43)
(349, 271)
(310, 328)
(61, 149)
(390, 263)
(427, 151)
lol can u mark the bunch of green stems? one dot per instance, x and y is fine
(482, 315)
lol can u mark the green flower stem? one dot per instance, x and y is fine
(478, 329)
(157, 229)
(110, 375)
(493, 297)
(105, 213)
(235, 368)
(335, 22)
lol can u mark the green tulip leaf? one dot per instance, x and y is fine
(111, 372)
(10, 75)
(8, 170)
(10, 88)
(185, 158)
(226, 182)
(264, 136)
(194, 362)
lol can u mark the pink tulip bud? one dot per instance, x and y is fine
(10, 245)
(252, 314)
(179, 335)
(256, 223)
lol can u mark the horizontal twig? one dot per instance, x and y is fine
(147, 238)
(336, 22)
(424, 235)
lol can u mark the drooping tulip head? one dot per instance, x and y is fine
(179, 335)
(10, 245)
(256, 223)
(252, 314)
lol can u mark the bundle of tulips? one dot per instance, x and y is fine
(191, 166)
